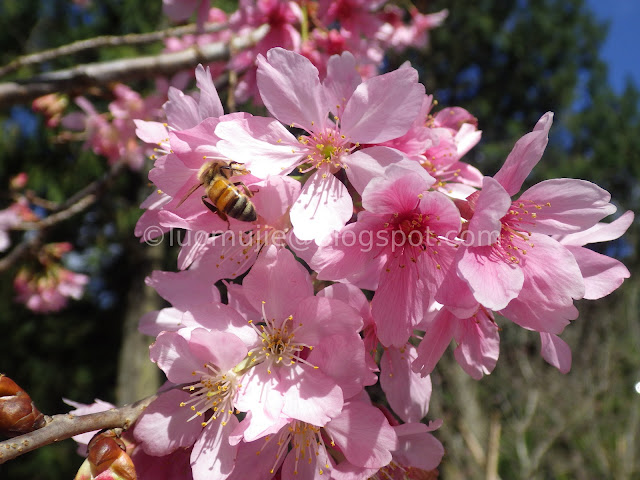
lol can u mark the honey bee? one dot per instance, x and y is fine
(225, 197)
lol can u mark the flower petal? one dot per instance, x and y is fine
(525, 155)
(324, 206)
(567, 205)
(383, 107)
(290, 89)
(556, 352)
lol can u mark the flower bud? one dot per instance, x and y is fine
(107, 460)
(18, 414)
(19, 181)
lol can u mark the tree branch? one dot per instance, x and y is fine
(78, 202)
(106, 41)
(63, 426)
(77, 79)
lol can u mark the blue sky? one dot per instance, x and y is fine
(621, 49)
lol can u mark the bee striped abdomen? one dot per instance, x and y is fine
(230, 201)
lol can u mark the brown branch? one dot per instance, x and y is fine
(106, 41)
(78, 202)
(63, 426)
(77, 79)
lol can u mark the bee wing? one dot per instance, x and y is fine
(188, 194)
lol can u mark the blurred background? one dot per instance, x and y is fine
(507, 62)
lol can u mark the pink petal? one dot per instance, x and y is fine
(352, 254)
(554, 282)
(213, 457)
(192, 145)
(167, 319)
(151, 132)
(275, 198)
(478, 344)
(467, 138)
(184, 288)
(324, 206)
(364, 435)
(263, 144)
(163, 426)
(400, 301)
(525, 155)
(222, 318)
(493, 281)
(172, 176)
(336, 351)
(491, 205)
(601, 232)
(368, 163)
(455, 293)
(222, 349)
(280, 281)
(173, 355)
(320, 317)
(291, 90)
(209, 104)
(181, 110)
(417, 448)
(602, 275)
(398, 192)
(568, 205)
(527, 313)
(383, 107)
(437, 337)
(310, 467)
(254, 460)
(341, 81)
(309, 395)
(556, 352)
(408, 393)
(349, 294)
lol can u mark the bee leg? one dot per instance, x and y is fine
(248, 192)
(221, 214)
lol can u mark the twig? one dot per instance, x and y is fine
(77, 79)
(78, 202)
(63, 426)
(106, 41)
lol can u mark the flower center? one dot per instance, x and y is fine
(325, 148)
(279, 346)
(306, 443)
(514, 238)
(214, 391)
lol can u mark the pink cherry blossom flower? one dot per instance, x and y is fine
(355, 16)
(477, 340)
(404, 232)
(202, 414)
(48, 291)
(360, 433)
(507, 244)
(305, 342)
(114, 139)
(400, 36)
(374, 111)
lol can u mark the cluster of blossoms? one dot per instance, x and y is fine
(372, 194)
(317, 30)
(43, 285)
(46, 286)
